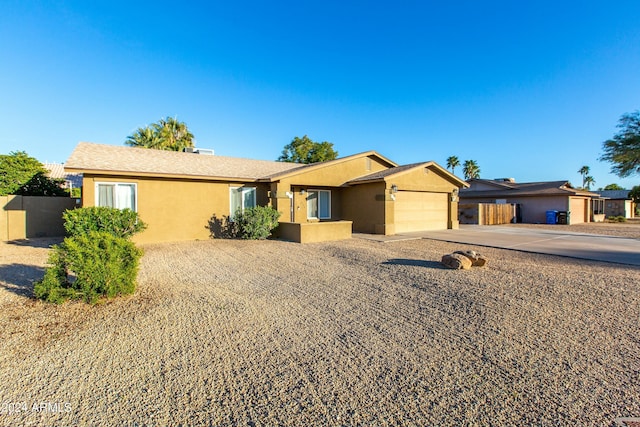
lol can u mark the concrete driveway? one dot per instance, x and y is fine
(577, 245)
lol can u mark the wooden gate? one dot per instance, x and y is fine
(486, 213)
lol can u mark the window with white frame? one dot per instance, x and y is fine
(241, 198)
(119, 195)
(319, 204)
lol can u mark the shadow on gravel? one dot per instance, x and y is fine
(415, 263)
(19, 278)
(43, 242)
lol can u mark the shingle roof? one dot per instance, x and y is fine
(119, 159)
(56, 171)
(386, 172)
(614, 194)
(510, 189)
(380, 175)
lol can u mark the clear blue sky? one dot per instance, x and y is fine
(527, 89)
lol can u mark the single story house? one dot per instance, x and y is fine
(532, 200)
(178, 193)
(617, 203)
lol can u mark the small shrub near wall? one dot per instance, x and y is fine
(96, 260)
(121, 223)
(256, 223)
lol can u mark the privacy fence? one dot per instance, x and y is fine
(486, 213)
(24, 217)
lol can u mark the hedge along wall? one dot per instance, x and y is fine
(24, 217)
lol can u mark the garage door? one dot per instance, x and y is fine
(579, 210)
(417, 211)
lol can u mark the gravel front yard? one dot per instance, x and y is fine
(345, 333)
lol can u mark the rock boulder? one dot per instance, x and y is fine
(456, 261)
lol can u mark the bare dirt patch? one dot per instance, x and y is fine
(345, 333)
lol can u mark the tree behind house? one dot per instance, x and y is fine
(167, 134)
(471, 170)
(24, 175)
(305, 150)
(452, 163)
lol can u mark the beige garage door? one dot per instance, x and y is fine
(417, 211)
(579, 210)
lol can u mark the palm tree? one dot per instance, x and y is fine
(175, 135)
(452, 163)
(588, 181)
(166, 134)
(584, 171)
(470, 170)
(144, 137)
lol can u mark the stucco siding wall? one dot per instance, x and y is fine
(335, 175)
(176, 209)
(364, 204)
(422, 179)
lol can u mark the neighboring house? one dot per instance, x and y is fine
(532, 199)
(617, 203)
(56, 171)
(177, 194)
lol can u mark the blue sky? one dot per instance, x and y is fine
(528, 90)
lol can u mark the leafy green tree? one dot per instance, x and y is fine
(584, 171)
(613, 187)
(635, 194)
(24, 175)
(623, 150)
(452, 163)
(167, 134)
(471, 170)
(305, 150)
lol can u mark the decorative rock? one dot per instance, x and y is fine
(477, 260)
(456, 261)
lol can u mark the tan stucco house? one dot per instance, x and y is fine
(177, 194)
(532, 200)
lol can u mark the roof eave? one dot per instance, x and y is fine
(85, 171)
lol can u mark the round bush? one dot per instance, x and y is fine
(90, 266)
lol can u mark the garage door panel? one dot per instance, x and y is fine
(578, 208)
(418, 211)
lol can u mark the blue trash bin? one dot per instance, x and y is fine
(552, 217)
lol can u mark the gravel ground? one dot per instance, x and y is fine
(344, 333)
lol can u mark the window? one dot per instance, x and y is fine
(319, 204)
(241, 199)
(116, 195)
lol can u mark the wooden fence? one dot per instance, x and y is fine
(486, 213)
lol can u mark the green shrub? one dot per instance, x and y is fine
(619, 218)
(89, 266)
(256, 223)
(118, 222)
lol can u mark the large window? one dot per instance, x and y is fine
(116, 195)
(242, 198)
(319, 204)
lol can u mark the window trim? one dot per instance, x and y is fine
(317, 190)
(116, 184)
(232, 188)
